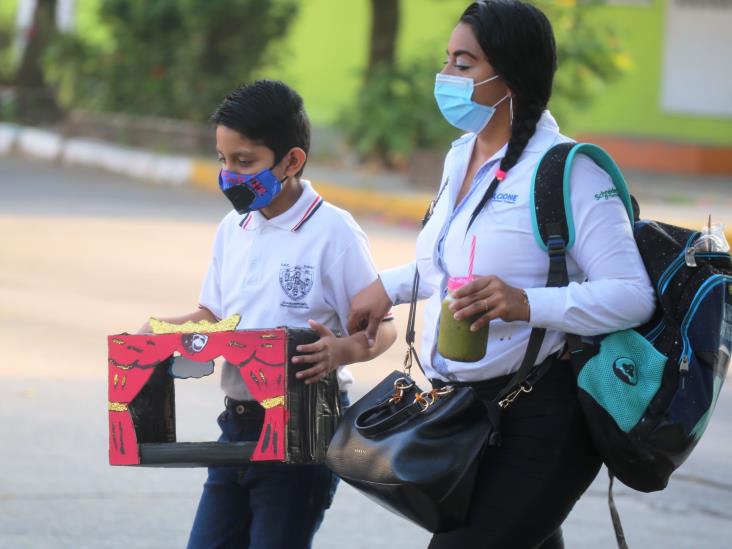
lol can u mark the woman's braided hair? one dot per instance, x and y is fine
(518, 41)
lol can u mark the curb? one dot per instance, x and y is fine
(393, 207)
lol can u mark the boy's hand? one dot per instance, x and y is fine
(368, 308)
(325, 354)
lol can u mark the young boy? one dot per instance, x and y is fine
(282, 257)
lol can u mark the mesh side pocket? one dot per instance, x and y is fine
(624, 376)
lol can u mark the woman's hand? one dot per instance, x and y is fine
(368, 308)
(325, 355)
(491, 298)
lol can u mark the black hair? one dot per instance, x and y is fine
(518, 41)
(268, 112)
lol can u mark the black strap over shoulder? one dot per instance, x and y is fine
(549, 194)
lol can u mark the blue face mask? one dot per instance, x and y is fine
(454, 96)
(248, 192)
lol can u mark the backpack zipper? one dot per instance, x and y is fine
(704, 289)
(676, 264)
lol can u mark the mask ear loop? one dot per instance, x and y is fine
(276, 163)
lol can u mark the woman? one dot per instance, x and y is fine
(504, 51)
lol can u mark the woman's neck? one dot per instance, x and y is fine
(495, 135)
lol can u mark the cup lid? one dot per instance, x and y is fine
(455, 282)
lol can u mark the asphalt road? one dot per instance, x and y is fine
(84, 254)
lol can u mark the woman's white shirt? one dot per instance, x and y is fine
(609, 288)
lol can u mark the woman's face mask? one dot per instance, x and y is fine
(454, 96)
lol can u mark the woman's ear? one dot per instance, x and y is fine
(295, 161)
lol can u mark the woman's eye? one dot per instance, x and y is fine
(461, 67)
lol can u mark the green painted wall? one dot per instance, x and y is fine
(632, 105)
(327, 47)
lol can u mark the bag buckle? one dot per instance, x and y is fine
(510, 397)
(426, 399)
(556, 247)
(408, 361)
(401, 385)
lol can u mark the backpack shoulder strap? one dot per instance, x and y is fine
(551, 211)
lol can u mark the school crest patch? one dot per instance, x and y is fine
(296, 281)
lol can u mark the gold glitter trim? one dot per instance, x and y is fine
(269, 336)
(124, 381)
(122, 366)
(116, 379)
(117, 406)
(201, 327)
(118, 341)
(268, 403)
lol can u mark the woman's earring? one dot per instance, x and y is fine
(510, 107)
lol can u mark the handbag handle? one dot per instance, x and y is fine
(368, 423)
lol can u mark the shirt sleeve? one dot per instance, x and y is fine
(350, 271)
(210, 296)
(398, 284)
(617, 293)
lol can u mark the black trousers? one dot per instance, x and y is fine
(527, 486)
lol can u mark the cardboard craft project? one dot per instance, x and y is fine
(299, 419)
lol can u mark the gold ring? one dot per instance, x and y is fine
(485, 305)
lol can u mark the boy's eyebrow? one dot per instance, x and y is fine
(246, 152)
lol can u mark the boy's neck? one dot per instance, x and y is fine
(291, 191)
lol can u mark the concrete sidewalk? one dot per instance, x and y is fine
(386, 196)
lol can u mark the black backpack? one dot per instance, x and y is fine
(647, 393)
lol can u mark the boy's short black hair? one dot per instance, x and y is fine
(268, 112)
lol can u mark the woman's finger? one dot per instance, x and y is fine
(476, 286)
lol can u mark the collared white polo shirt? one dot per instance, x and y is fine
(306, 263)
(609, 288)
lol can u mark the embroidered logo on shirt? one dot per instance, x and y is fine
(509, 198)
(606, 194)
(296, 281)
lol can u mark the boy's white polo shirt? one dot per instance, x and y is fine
(306, 263)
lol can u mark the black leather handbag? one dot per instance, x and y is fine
(416, 452)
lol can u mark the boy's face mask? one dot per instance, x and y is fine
(249, 192)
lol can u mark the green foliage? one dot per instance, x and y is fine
(395, 113)
(590, 54)
(168, 58)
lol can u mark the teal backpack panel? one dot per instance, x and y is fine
(624, 376)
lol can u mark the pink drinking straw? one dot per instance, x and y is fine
(472, 259)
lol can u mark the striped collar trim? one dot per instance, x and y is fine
(310, 212)
(291, 220)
